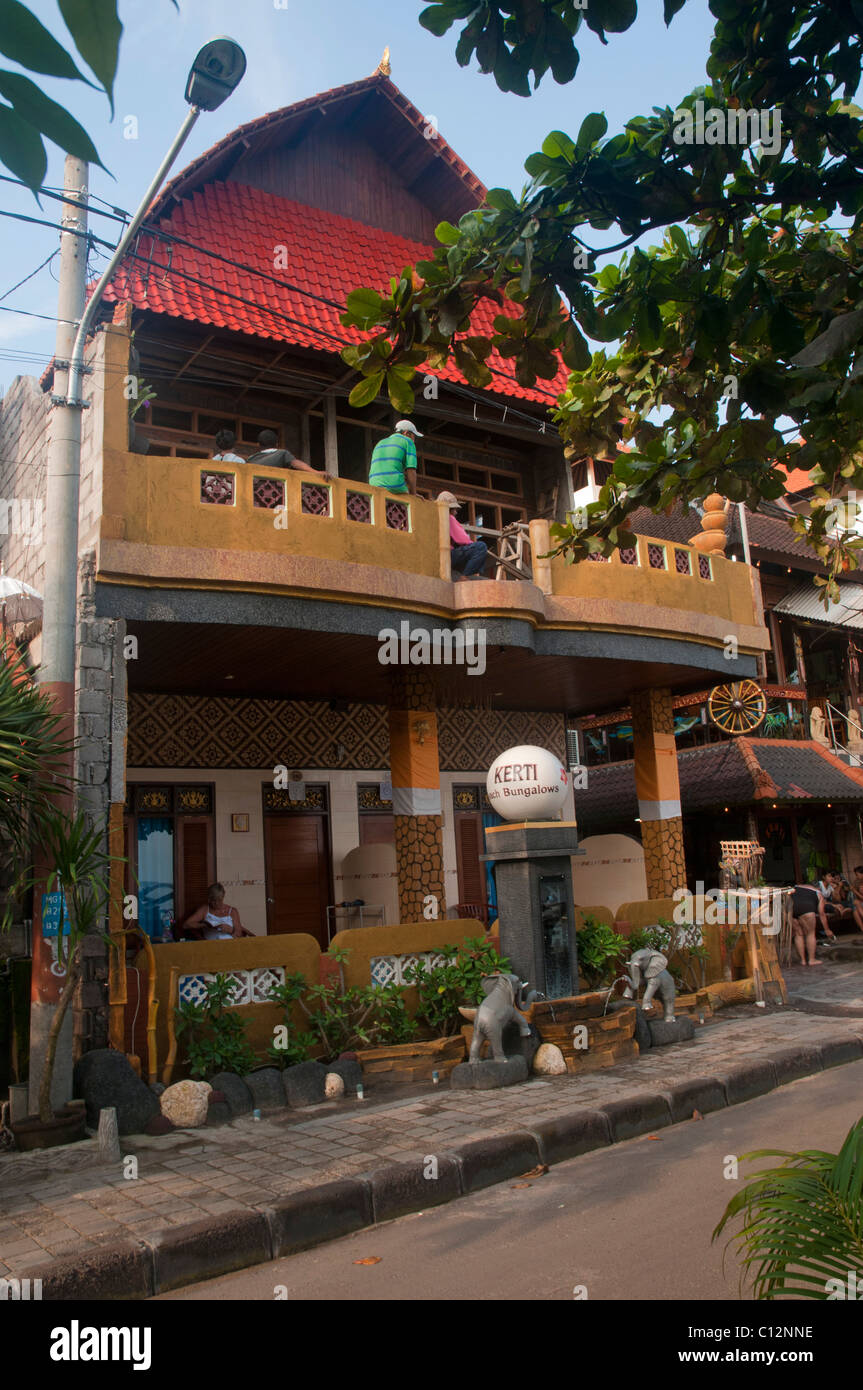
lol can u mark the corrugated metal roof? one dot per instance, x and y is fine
(806, 601)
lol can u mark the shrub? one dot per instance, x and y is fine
(339, 1019)
(599, 947)
(455, 980)
(215, 1035)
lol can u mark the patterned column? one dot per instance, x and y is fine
(658, 790)
(415, 772)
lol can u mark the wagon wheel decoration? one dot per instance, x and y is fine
(738, 707)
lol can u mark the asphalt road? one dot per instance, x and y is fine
(633, 1221)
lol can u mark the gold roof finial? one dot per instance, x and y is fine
(383, 68)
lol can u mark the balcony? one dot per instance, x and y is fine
(174, 522)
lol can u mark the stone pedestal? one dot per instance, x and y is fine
(535, 908)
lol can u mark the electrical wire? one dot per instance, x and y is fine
(47, 261)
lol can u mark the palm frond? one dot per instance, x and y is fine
(802, 1222)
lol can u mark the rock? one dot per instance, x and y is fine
(514, 1045)
(305, 1084)
(488, 1076)
(266, 1088)
(549, 1061)
(160, 1124)
(216, 1097)
(349, 1069)
(185, 1103)
(157, 1087)
(104, 1078)
(219, 1113)
(642, 1029)
(235, 1091)
(334, 1085)
(681, 1030)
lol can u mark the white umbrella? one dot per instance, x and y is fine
(18, 601)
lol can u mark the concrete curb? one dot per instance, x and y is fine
(180, 1255)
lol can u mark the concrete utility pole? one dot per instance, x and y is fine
(218, 68)
(57, 668)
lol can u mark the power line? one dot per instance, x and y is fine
(42, 266)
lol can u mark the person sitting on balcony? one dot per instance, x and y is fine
(394, 460)
(465, 555)
(225, 441)
(217, 920)
(270, 454)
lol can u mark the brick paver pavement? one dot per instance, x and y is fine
(65, 1200)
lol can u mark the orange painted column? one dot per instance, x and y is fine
(415, 773)
(658, 789)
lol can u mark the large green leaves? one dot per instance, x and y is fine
(25, 40)
(46, 116)
(95, 26)
(96, 30)
(21, 148)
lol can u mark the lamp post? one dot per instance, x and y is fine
(217, 70)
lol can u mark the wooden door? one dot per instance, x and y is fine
(469, 842)
(195, 863)
(298, 874)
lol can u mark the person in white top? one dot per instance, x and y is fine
(217, 919)
(225, 441)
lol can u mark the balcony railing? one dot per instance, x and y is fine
(178, 521)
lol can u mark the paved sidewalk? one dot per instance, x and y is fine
(64, 1202)
(834, 988)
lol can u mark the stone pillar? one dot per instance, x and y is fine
(100, 793)
(415, 772)
(658, 790)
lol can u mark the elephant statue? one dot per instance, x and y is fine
(658, 980)
(497, 1010)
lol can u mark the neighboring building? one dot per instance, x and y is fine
(235, 716)
(795, 782)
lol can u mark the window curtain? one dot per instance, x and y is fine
(155, 875)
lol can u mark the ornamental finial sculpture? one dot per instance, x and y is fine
(383, 68)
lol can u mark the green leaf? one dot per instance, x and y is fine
(367, 390)
(400, 394)
(21, 149)
(593, 127)
(671, 8)
(364, 305)
(437, 20)
(95, 26)
(502, 200)
(615, 16)
(47, 116)
(26, 41)
(558, 145)
(447, 233)
(680, 240)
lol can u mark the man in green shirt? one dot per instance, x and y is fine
(394, 460)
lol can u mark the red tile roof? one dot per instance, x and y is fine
(328, 256)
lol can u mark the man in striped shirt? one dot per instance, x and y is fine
(394, 460)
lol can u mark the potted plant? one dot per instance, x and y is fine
(79, 873)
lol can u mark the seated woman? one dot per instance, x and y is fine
(217, 920)
(807, 906)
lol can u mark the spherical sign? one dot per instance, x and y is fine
(527, 783)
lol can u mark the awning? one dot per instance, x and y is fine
(807, 602)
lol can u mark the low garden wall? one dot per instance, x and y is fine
(377, 955)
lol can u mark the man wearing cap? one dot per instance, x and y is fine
(394, 460)
(466, 555)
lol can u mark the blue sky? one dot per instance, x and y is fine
(292, 53)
